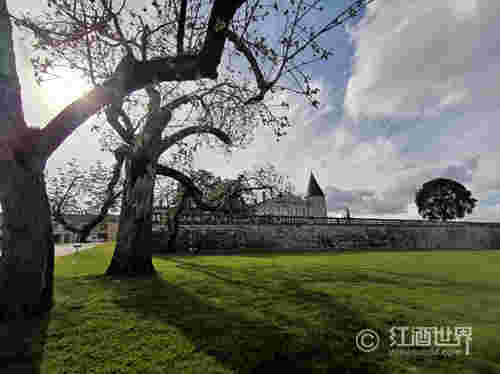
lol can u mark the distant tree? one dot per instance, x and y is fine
(77, 190)
(444, 199)
(215, 194)
(238, 195)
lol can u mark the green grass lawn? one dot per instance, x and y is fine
(261, 313)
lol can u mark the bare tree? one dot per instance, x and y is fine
(93, 191)
(189, 39)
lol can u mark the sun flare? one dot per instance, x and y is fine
(64, 90)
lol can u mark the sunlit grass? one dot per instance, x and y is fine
(259, 313)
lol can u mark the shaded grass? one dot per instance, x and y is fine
(295, 313)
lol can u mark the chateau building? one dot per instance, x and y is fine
(312, 205)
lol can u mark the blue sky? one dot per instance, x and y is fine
(410, 94)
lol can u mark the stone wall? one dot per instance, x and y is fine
(354, 236)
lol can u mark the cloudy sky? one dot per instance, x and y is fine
(411, 94)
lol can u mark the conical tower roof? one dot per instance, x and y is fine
(313, 188)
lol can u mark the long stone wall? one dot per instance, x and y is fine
(354, 236)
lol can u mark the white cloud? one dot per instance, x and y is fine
(420, 58)
(438, 62)
(295, 154)
(370, 176)
(464, 9)
(412, 59)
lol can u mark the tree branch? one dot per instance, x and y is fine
(181, 28)
(63, 200)
(137, 75)
(111, 196)
(188, 184)
(116, 22)
(181, 134)
(113, 111)
(160, 117)
(239, 44)
(132, 75)
(59, 218)
(221, 15)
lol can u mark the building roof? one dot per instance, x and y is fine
(313, 188)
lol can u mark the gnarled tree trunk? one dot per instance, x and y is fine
(27, 262)
(133, 253)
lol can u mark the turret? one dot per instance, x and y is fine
(316, 203)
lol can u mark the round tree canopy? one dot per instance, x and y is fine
(444, 199)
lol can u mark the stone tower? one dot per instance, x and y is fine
(316, 203)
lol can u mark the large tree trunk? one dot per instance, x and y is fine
(133, 253)
(27, 262)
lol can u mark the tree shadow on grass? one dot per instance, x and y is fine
(22, 345)
(252, 343)
(379, 276)
(424, 279)
(348, 274)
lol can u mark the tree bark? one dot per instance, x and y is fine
(133, 252)
(27, 262)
